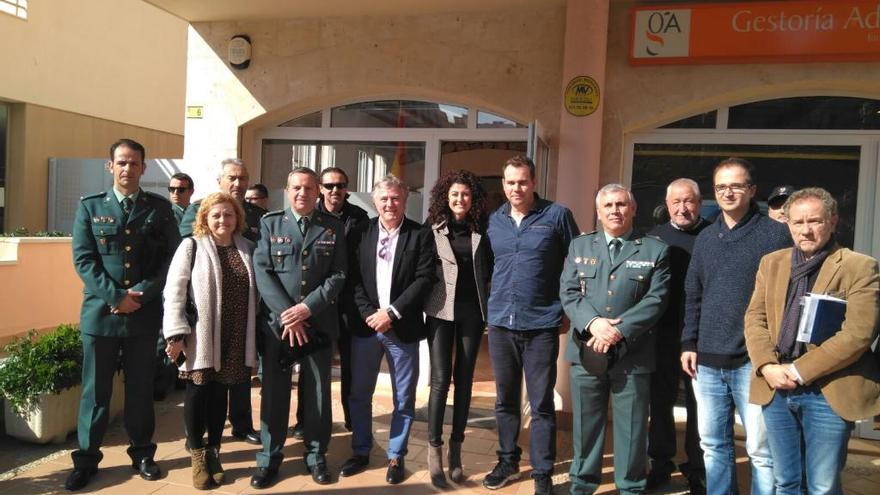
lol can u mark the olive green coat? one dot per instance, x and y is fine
(112, 256)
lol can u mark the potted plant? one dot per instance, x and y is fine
(40, 380)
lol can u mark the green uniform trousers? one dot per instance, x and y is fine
(589, 395)
(100, 360)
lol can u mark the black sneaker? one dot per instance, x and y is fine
(503, 473)
(543, 484)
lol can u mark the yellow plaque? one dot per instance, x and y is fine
(195, 112)
(582, 96)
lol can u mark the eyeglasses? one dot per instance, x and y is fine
(178, 190)
(334, 185)
(734, 188)
(254, 198)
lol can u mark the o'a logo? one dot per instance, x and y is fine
(661, 33)
(582, 96)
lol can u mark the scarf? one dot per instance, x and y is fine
(801, 270)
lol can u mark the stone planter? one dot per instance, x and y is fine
(55, 415)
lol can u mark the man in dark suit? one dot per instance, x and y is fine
(395, 275)
(123, 240)
(613, 289)
(233, 180)
(333, 200)
(684, 223)
(300, 265)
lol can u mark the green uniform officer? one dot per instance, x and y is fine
(300, 265)
(613, 289)
(123, 240)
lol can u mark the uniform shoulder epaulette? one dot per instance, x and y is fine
(93, 196)
(584, 234)
(273, 213)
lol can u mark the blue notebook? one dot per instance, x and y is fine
(821, 318)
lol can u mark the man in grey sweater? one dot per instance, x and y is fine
(719, 283)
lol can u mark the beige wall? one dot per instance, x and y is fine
(29, 301)
(506, 61)
(37, 133)
(120, 60)
(639, 98)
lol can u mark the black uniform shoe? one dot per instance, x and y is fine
(264, 478)
(395, 471)
(320, 473)
(79, 478)
(296, 431)
(355, 465)
(148, 469)
(252, 437)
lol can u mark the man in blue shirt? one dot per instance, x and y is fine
(530, 238)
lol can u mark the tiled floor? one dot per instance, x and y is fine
(43, 469)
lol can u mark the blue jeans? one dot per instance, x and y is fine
(403, 363)
(531, 353)
(720, 392)
(800, 421)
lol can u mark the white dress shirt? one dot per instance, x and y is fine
(385, 265)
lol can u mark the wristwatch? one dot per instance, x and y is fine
(392, 314)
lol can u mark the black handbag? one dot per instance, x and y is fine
(190, 312)
(288, 355)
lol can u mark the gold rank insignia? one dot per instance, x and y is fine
(578, 260)
(593, 261)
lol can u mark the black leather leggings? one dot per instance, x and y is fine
(465, 335)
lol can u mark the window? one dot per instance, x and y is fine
(656, 165)
(700, 121)
(811, 112)
(490, 120)
(363, 162)
(18, 8)
(311, 120)
(399, 114)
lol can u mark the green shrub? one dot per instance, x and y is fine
(23, 232)
(38, 365)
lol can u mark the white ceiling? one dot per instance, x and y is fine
(226, 10)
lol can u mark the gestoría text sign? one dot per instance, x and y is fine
(756, 32)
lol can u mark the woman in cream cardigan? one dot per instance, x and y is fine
(220, 349)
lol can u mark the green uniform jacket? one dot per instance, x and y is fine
(252, 216)
(290, 269)
(633, 289)
(112, 256)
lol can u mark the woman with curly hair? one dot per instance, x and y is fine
(456, 309)
(219, 346)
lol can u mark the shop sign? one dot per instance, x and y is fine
(792, 31)
(582, 96)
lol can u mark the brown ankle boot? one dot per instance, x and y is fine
(454, 461)
(435, 466)
(201, 477)
(212, 458)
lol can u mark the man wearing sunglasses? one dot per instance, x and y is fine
(258, 195)
(180, 190)
(333, 199)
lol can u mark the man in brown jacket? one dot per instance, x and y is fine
(811, 394)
